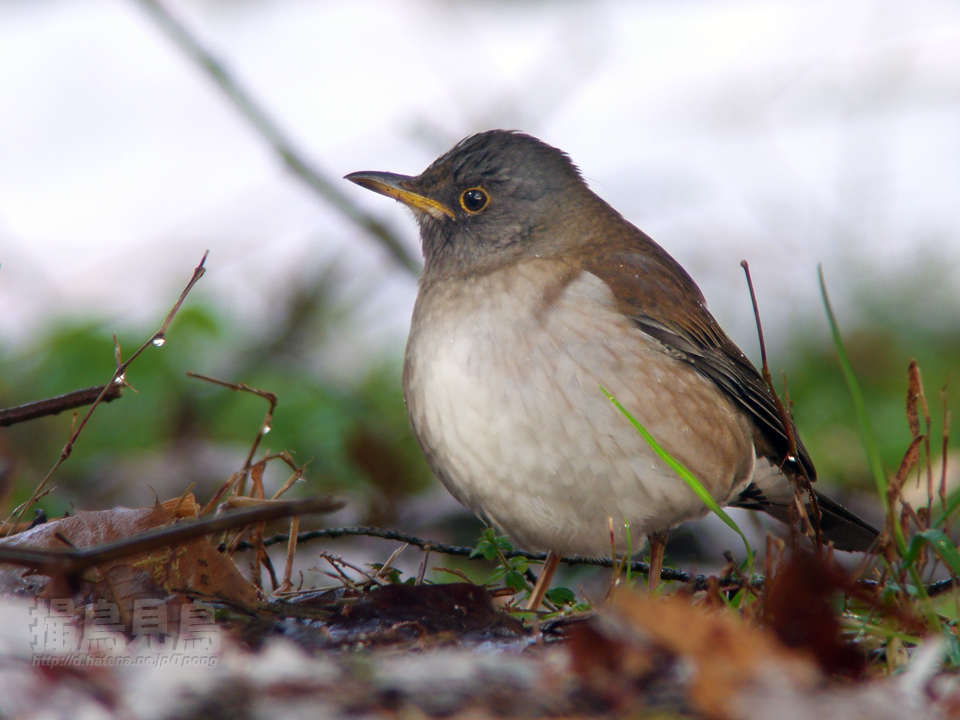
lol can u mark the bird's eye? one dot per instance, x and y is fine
(474, 200)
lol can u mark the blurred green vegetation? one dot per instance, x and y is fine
(175, 430)
(880, 358)
(880, 346)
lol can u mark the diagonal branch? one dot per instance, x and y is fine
(802, 479)
(74, 561)
(57, 405)
(155, 340)
(271, 132)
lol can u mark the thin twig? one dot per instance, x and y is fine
(423, 564)
(297, 473)
(291, 551)
(942, 586)
(155, 340)
(768, 378)
(270, 131)
(735, 570)
(73, 561)
(785, 420)
(7, 528)
(265, 426)
(925, 407)
(226, 487)
(696, 582)
(669, 574)
(336, 561)
(57, 405)
(267, 563)
(943, 454)
(384, 569)
(456, 572)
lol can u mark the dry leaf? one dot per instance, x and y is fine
(195, 566)
(725, 657)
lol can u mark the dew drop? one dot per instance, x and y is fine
(119, 379)
(159, 341)
(266, 429)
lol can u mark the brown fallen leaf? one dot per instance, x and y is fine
(194, 566)
(799, 608)
(128, 589)
(725, 658)
(418, 615)
(463, 609)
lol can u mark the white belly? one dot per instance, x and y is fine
(502, 384)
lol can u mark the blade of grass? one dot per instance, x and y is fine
(684, 474)
(882, 631)
(939, 541)
(866, 430)
(949, 510)
(873, 456)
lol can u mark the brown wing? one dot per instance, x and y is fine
(664, 302)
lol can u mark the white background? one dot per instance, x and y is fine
(787, 133)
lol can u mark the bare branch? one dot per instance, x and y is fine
(698, 581)
(156, 340)
(57, 405)
(73, 561)
(268, 128)
(695, 582)
(803, 480)
(265, 427)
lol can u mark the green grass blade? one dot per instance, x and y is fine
(866, 430)
(939, 541)
(952, 504)
(910, 555)
(685, 474)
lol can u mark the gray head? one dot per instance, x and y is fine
(494, 196)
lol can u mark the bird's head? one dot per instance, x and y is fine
(494, 197)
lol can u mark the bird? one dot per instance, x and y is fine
(536, 296)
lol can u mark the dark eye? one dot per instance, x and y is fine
(474, 200)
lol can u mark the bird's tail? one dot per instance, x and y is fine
(845, 529)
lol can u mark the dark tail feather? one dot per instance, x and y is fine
(846, 530)
(843, 528)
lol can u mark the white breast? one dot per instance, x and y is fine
(502, 382)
